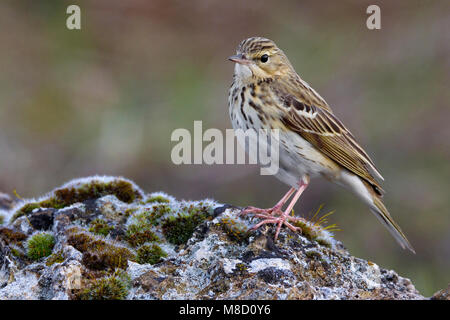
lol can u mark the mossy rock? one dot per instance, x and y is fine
(66, 196)
(123, 190)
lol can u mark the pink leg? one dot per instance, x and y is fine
(288, 210)
(285, 198)
(270, 211)
(285, 217)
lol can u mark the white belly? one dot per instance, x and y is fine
(297, 157)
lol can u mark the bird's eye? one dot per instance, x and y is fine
(264, 58)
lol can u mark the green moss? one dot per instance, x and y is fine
(100, 227)
(139, 233)
(234, 229)
(57, 257)
(315, 230)
(63, 197)
(26, 209)
(114, 287)
(307, 230)
(150, 254)
(97, 253)
(179, 228)
(323, 242)
(154, 214)
(29, 207)
(2, 219)
(141, 230)
(206, 206)
(17, 253)
(158, 198)
(241, 266)
(11, 236)
(312, 232)
(130, 212)
(313, 254)
(40, 245)
(123, 190)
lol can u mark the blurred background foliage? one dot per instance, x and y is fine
(104, 100)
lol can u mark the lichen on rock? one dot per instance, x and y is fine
(114, 241)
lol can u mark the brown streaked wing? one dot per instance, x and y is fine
(327, 133)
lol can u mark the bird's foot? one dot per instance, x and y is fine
(265, 212)
(283, 219)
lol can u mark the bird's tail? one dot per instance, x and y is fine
(371, 195)
(385, 218)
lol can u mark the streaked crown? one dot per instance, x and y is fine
(256, 45)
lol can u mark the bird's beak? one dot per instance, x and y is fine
(239, 58)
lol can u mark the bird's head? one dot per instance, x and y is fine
(259, 58)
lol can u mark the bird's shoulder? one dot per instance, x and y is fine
(293, 89)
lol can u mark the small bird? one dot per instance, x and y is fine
(267, 93)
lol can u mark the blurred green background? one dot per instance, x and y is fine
(104, 100)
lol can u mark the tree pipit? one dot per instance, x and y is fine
(267, 93)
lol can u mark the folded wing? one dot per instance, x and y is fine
(320, 127)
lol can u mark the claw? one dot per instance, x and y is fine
(279, 221)
(262, 212)
(276, 215)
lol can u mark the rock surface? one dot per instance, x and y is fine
(114, 241)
